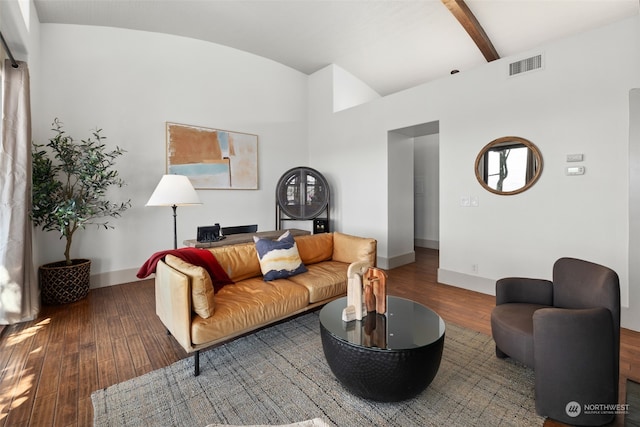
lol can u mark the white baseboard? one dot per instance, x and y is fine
(396, 261)
(425, 243)
(630, 319)
(112, 278)
(467, 281)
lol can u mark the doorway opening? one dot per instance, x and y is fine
(413, 183)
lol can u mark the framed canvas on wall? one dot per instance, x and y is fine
(213, 158)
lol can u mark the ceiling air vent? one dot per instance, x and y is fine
(525, 65)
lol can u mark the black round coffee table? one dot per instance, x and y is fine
(387, 358)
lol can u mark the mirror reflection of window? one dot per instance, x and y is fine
(507, 168)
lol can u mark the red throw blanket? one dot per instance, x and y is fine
(200, 257)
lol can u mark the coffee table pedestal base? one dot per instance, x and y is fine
(382, 375)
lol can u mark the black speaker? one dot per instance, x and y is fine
(320, 226)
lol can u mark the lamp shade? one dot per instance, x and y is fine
(174, 190)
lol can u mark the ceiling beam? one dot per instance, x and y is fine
(463, 14)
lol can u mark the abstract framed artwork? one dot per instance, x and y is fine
(213, 158)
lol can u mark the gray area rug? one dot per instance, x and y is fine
(279, 375)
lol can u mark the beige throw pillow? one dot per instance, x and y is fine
(202, 294)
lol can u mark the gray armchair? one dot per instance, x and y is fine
(568, 331)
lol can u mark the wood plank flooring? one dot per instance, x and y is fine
(50, 366)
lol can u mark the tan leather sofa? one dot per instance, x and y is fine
(183, 290)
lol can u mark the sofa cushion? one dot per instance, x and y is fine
(202, 294)
(350, 249)
(279, 258)
(239, 261)
(324, 280)
(314, 248)
(249, 304)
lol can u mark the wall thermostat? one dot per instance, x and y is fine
(575, 170)
(575, 157)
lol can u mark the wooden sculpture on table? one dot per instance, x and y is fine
(375, 331)
(355, 301)
(375, 286)
(366, 291)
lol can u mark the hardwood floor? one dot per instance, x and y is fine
(50, 366)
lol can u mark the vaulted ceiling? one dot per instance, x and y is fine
(389, 44)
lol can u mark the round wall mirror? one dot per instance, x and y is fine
(508, 165)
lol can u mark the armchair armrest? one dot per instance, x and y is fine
(575, 348)
(524, 290)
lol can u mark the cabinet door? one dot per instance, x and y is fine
(302, 193)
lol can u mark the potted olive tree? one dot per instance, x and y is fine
(70, 182)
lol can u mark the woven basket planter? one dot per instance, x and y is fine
(61, 283)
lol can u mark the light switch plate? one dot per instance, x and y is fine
(575, 157)
(575, 170)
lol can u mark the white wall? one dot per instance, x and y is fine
(400, 201)
(575, 105)
(349, 91)
(352, 165)
(426, 191)
(130, 83)
(631, 316)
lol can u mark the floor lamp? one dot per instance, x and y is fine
(174, 191)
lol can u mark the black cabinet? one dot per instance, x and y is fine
(302, 194)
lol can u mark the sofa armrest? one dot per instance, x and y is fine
(350, 249)
(524, 290)
(173, 303)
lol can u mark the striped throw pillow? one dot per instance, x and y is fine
(279, 258)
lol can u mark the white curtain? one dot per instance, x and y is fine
(19, 295)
